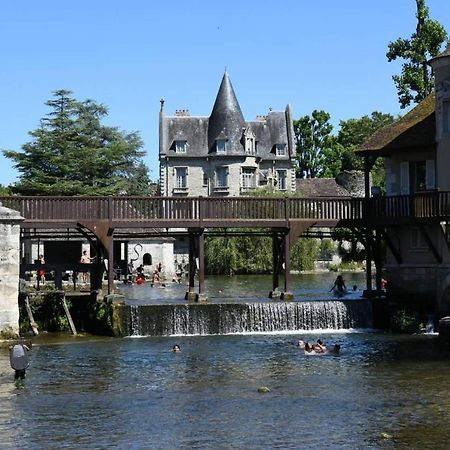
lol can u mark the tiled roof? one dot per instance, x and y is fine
(320, 187)
(416, 129)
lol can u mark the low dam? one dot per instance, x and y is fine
(237, 318)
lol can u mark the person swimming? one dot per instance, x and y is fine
(320, 347)
(176, 348)
(309, 349)
(300, 343)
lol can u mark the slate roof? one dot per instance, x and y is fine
(320, 187)
(415, 130)
(226, 122)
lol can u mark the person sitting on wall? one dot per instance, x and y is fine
(339, 286)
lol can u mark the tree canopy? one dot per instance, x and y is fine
(313, 136)
(322, 154)
(72, 153)
(416, 80)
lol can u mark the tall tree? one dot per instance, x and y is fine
(352, 133)
(72, 153)
(313, 137)
(416, 80)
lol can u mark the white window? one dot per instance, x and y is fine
(180, 146)
(221, 145)
(250, 145)
(280, 149)
(248, 177)
(281, 179)
(222, 177)
(181, 177)
(446, 116)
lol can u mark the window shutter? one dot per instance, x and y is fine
(404, 178)
(430, 174)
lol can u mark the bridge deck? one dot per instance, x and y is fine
(211, 212)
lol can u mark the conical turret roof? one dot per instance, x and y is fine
(226, 120)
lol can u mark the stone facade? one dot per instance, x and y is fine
(224, 155)
(9, 270)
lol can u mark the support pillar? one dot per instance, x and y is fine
(201, 264)
(9, 272)
(110, 264)
(191, 262)
(368, 163)
(287, 295)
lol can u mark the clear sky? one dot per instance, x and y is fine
(321, 54)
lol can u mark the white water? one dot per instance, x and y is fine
(196, 319)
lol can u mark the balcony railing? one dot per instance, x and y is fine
(430, 205)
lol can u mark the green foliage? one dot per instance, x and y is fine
(327, 248)
(340, 155)
(239, 255)
(72, 153)
(304, 253)
(5, 191)
(416, 80)
(313, 137)
(345, 266)
(403, 321)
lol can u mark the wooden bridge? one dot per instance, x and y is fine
(285, 218)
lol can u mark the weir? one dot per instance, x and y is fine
(207, 319)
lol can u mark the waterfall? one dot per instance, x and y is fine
(203, 319)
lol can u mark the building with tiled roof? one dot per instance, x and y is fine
(223, 154)
(416, 152)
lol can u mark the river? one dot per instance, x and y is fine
(383, 391)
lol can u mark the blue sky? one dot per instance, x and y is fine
(320, 54)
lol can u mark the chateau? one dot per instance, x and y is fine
(224, 155)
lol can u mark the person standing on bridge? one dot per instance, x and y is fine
(85, 259)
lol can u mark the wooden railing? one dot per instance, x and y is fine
(430, 205)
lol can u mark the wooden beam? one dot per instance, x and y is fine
(431, 246)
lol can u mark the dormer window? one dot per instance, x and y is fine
(250, 146)
(280, 149)
(180, 146)
(250, 143)
(221, 145)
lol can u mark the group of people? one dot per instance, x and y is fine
(318, 348)
(139, 275)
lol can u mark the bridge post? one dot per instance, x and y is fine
(287, 294)
(110, 264)
(275, 261)
(9, 270)
(201, 263)
(191, 286)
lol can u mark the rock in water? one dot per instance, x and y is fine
(263, 389)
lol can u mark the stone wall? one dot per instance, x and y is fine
(9, 271)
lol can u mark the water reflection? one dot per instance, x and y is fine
(245, 288)
(383, 391)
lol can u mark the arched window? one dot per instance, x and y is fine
(147, 260)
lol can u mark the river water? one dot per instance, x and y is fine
(383, 391)
(245, 288)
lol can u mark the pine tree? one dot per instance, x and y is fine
(72, 153)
